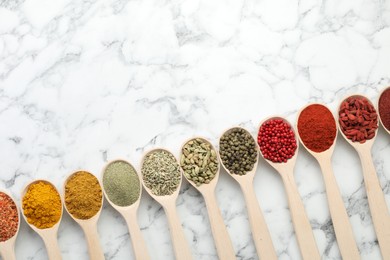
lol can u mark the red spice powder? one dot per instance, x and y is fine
(384, 108)
(317, 128)
(9, 219)
(277, 140)
(358, 119)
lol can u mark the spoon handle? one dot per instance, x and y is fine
(51, 244)
(376, 201)
(180, 244)
(7, 251)
(139, 246)
(302, 227)
(342, 227)
(261, 236)
(92, 236)
(221, 236)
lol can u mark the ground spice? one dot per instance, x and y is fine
(161, 172)
(277, 140)
(42, 205)
(121, 183)
(317, 128)
(83, 195)
(9, 218)
(358, 119)
(384, 108)
(238, 151)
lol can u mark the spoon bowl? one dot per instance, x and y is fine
(379, 116)
(205, 187)
(340, 219)
(301, 223)
(165, 198)
(260, 232)
(326, 152)
(129, 213)
(376, 200)
(168, 202)
(7, 248)
(357, 145)
(288, 166)
(250, 175)
(48, 235)
(89, 226)
(221, 236)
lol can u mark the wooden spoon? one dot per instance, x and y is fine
(168, 202)
(129, 213)
(221, 236)
(302, 227)
(89, 226)
(7, 248)
(376, 200)
(261, 236)
(48, 235)
(383, 91)
(342, 227)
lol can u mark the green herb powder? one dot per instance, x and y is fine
(161, 172)
(121, 183)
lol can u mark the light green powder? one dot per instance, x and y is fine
(121, 183)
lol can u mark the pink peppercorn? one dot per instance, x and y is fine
(277, 140)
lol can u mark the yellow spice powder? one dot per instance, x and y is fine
(83, 195)
(42, 205)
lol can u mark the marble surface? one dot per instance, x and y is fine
(88, 81)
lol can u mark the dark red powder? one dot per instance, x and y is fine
(317, 128)
(9, 218)
(384, 108)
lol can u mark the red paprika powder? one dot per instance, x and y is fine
(384, 108)
(317, 128)
(9, 217)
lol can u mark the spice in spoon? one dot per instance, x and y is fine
(238, 151)
(358, 119)
(121, 183)
(9, 218)
(277, 140)
(384, 108)
(199, 161)
(161, 172)
(317, 128)
(83, 195)
(42, 205)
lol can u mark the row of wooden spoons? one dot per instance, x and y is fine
(260, 233)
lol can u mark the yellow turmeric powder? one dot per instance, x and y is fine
(83, 195)
(42, 205)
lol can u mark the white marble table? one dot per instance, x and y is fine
(83, 82)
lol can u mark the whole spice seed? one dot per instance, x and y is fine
(9, 219)
(161, 172)
(121, 183)
(238, 151)
(317, 128)
(384, 108)
(199, 161)
(83, 195)
(277, 140)
(358, 119)
(42, 205)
